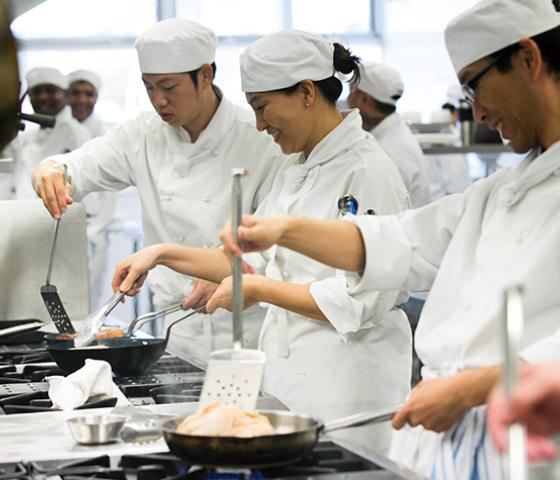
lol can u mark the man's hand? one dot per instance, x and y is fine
(434, 404)
(134, 270)
(535, 402)
(50, 184)
(255, 234)
(200, 294)
(223, 297)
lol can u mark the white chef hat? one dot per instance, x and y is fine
(382, 82)
(175, 46)
(283, 59)
(85, 76)
(491, 25)
(46, 75)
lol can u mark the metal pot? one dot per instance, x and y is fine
(297, 435)
(126, 355)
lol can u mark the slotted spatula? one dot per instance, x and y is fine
(234, 375)
(50, 295)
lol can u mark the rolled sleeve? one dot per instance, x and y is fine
(349, 313)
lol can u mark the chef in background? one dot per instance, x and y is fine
(82, 94)
(327, 354)
(46, 88)
(180, 158)
(467, 248)
(83, 91)
(376, 94)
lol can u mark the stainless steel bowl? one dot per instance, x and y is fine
(96, 429)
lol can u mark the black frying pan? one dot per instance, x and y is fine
(297, 435)
(126, 355)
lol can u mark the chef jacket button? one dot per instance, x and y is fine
(180, 239)
(216, 153)
(206, 199)
(166, 198)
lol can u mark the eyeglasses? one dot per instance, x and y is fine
(469, 88)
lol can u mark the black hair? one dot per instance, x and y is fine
(194, 74)
(549, 45)
(331, 87)
(449, 106)
(384, 108)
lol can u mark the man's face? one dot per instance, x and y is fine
(47, 99)
(82, 98)
(362, 101)
(504, 101)
(174, 97)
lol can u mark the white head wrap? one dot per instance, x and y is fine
(85, 76)
(175, 46)
(382, 82)
(46, 75)
(283, 59)
(491, 25)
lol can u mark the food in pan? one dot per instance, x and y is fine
(109, 332)
(103, 334)
(66, 336)
(219, 420)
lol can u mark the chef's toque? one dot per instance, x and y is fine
(46, 76)
(85, 76)
(175, 46)
(382, 82)
(283, 59)
(491, 25)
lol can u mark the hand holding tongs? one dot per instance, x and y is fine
(93, 323)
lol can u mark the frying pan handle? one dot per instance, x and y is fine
(190, 314)
(364, 418)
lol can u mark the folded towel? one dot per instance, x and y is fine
(94, 378)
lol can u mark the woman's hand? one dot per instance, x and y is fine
(255, 234)
(223, 296)
(131, 272)
(201, 292)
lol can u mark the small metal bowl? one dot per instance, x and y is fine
(96, 429)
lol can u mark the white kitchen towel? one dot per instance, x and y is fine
(94, 378)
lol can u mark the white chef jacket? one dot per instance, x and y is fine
(94, 124)
(100, 211)
(398, 141)
(468, 248)
(185, 191)
(29, 148)
(361, 358)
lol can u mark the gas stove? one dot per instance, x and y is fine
(326, 461)
(23, 388)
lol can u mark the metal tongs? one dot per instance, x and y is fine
(516, 468)
(148, 317)
(93, 323)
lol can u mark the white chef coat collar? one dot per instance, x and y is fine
(388, 122)
(214, 133)
(65, 114)
(346, 134)
(534, 169)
